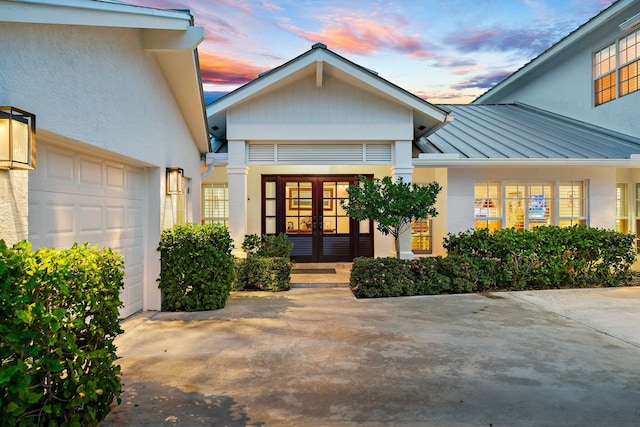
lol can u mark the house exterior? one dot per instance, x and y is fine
(117, 94)
(534, 150)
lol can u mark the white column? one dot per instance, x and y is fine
(403, 168)
(237, 172)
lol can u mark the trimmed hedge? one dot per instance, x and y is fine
(263, 274)
(59, 311)
(196, 267)
(267, 266)
(393, 277)
(551, 257)
(544, 258)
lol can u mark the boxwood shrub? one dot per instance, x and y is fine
(59, 311)
(256, 273)
(551, 257)
(543, 258)
(267, 266)
(196, 267)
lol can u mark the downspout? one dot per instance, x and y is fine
(209, 161)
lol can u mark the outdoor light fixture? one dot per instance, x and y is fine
(174, 181)
(17, 139)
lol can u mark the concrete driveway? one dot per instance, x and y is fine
(319, 357)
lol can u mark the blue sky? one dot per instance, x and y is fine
(444, 51)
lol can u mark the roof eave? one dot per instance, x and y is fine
(446, 160)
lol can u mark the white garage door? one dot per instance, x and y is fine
(80, 197)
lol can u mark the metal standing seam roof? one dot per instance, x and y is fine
(519, 131)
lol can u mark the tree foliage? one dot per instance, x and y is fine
(392, 205)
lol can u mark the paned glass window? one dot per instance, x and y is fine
(215, 204)
(616, 69)
(529, 204)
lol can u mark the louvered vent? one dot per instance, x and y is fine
(262, 153)
(331, 154)
(378, 153)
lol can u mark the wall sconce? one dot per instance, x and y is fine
(174, 181)
(17, 139)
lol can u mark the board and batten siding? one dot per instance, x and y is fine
(304, 112)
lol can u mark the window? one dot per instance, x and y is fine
(615, 69)
(528, 204)
(421, 238)
(215, 204)
(622, 208)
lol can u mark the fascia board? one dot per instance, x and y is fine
(452, 162)
(92, 13)
(260, 84)
(162, 40)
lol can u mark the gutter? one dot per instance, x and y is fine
(454, 160)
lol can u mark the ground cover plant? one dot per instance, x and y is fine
(478, 260)
(267, 266)
(196, 267)
(59, 311)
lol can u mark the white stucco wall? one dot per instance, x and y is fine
(94, 88)
(601, 191)
(564, 85)
(14, 225)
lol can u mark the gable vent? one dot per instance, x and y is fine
(329, 154)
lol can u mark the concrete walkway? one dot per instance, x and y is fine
(319, 357)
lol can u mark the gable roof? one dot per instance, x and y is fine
(170, 35)
(614, 11)
(321, 61)
(512, 134)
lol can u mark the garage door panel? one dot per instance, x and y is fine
(90, 173)
(76, 198)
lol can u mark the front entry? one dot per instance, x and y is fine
(308, 210)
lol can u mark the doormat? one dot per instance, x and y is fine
(313, 271)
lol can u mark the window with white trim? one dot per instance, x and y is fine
(622, 208)
(421, 236)
(215, 204)
(524, 205)
(615, 68)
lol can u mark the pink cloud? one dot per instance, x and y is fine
(363, 35)
(220, 69)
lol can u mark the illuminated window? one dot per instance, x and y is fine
(622, 208)
(215, 204)
(421, 237)
(615, 69)
(488, 205)
(604, 67)
(529, 204)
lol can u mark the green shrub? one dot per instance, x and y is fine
(264, 274)
(197, 267)
(467, 273)
(59, 311)
(267, 246)
(550, 257)
(427, 278)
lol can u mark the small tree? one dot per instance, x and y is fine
(392, 205)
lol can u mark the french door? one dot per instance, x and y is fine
(308, 210)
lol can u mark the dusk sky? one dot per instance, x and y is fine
(447, 51)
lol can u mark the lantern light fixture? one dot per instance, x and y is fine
(175, 181)
(17, 139)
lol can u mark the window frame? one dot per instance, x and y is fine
(608, 83)
(224, 220)
(555, 204)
